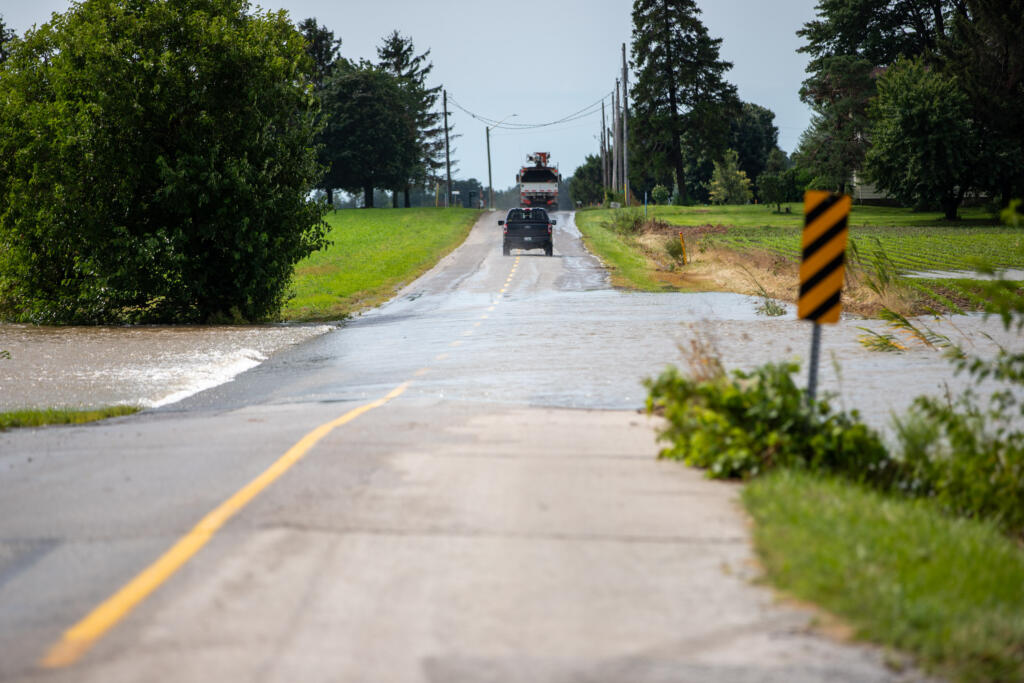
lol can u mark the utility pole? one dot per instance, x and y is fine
(615, 138)
(490, 186)
(447, 156)
(604, 150)
(625, 125)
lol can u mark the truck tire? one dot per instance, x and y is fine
(505, 249)
(549, 249)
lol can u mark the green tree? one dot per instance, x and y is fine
(680, 87)
(986, 55)
(834, 145)
(398, 57)
(729, 184)
(322, 47)
(925, 148)
(754, 136)
(6, 36)
(660, 194)
(585, 183)
(155, 164)
(370, 136)
(849, 41)
(772, 188)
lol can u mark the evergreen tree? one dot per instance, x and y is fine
(679, 87)
(585, 183)
(986, 56)
(6, 35)
(398, 57)
(322, 47)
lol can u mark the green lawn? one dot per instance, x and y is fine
(949, 591)
(52, 416)
(373, 253)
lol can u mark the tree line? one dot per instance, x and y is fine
(923, 98)
(383, 128)
(158, 160)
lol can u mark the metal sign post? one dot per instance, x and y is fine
(821, 271)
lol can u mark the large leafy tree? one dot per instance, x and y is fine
(680, 88)
(155, 163)
(370, 136)
(925, 146)
(850, 42)
(585, 184)
(754, 136)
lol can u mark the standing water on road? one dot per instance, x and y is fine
(82, 367)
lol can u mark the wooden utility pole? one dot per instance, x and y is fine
(615, 138)
(625, 126)
(604, 149)
(447, 156)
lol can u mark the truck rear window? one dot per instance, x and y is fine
(527, 215)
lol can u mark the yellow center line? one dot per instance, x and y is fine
(421, 372)
(456, 343)
(441, 356)
(476, 324)
(467, 333)
(491, 308)
(77, 640)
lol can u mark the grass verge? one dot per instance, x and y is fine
(56, 416)
(372, 253)
(945, 590)
(626, 262)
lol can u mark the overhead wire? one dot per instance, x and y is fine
(589, 110)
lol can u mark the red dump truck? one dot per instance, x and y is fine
(538, 184)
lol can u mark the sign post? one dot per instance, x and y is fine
(821, 270)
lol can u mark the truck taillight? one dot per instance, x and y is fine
(549, 228)
(504, 230)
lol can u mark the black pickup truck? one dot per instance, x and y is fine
(527, 229)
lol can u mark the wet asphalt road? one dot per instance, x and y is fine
(503, 518)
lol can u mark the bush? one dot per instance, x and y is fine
(660, 194)
(741, 426)
(626, 221)
(155, 164)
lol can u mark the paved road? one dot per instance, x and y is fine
(483, 505)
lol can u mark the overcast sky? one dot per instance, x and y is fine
(498, 59)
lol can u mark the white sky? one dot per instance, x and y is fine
(497, 59)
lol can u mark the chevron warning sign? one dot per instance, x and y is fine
(824, 247)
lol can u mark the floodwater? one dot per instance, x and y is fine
(148, 366)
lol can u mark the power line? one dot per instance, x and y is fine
(493, 123)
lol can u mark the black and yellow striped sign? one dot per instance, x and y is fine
(824, 247)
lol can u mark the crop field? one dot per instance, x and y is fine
(907, 248)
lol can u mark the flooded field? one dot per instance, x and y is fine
(81, 367)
